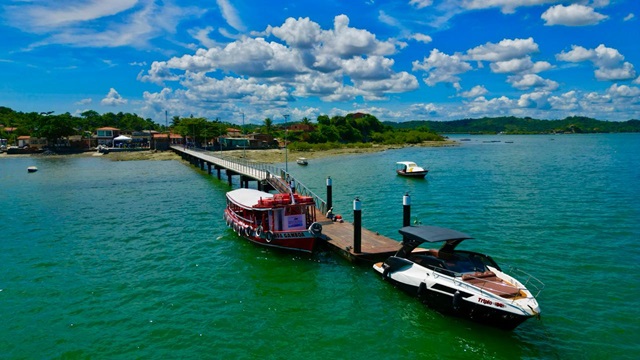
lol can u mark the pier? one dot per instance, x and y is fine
(349, 240)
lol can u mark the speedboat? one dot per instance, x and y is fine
(410, 169)
(302, 161)
(283, 220)
(458, 282)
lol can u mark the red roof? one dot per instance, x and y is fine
(24, 137)
(107, 128)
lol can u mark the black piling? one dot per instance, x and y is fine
(357, 226)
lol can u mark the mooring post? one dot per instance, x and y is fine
(357, 225)
(406, 214)
(329, 193)
(406, 206)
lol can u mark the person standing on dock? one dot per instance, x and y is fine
(292, 185)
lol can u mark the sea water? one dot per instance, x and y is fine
(103, 259)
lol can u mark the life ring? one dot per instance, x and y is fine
(315, 228)
(259, 231)
(269, 236)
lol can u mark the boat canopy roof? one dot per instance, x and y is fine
(413, 236)
(247, 198)
(407, 163)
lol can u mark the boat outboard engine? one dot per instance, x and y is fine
(457, 297)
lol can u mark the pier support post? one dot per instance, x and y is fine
(357, 226)
(329, 193)
(209, 168)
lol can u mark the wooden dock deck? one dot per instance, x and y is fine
(339, 239)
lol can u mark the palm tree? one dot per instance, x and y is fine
(268, 125)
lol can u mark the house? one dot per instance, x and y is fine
(34, 143)
(260, 141)
(105, 135)
(234, 133)
(302, 127)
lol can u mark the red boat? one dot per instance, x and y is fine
(286, 221)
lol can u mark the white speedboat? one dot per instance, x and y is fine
(410, 169)
(458, 282)
(302, 161)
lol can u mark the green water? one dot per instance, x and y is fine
(102, 259)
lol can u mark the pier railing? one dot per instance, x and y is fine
(277, 177)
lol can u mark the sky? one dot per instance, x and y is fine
(241, 61)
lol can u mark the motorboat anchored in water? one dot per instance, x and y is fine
(410, 169)
(459, 282)
(302, 161)
(283, 220)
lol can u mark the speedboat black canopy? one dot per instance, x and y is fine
(413, 236)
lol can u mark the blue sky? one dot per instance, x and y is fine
(398, 60)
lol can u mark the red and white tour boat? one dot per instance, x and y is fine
(282, 220)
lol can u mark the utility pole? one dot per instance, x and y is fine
(244, 143)
(286, 155)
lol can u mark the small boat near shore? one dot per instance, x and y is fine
(410, 169)
(457, 282)
(283, 220)
(302, 161)
(32, 169)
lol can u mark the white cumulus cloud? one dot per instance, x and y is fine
(113, 99)
(572, 15)
(609, 63)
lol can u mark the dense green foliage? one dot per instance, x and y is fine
(354, 129)
(514, 125)
(357, 129)
(52, 126)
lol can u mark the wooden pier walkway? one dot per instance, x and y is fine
(338, 236)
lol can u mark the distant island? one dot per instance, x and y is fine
(527, 125)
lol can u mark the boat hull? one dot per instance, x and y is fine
(300, 240)
(414, 174)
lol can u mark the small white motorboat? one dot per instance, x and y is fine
(302, 161)
(410, 169)
(32, 169)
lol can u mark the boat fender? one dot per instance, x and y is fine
(457, 298)
(315, 228)
(422, 290)
(385, 272)
(269, 236)
(247, 232)
(259, 231)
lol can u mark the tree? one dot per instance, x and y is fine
(268, 125)
(54, 127)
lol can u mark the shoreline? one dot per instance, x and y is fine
(271, 156)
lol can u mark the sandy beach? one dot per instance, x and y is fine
(265, 156)
(278, 155)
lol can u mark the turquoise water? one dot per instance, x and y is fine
(103, 259)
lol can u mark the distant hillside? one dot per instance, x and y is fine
(514, 125)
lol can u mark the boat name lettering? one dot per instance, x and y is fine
(485, 301)
(500, 305)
